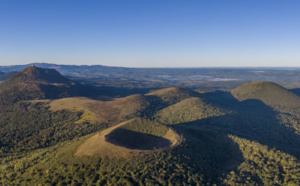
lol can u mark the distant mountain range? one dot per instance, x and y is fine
(216, 78)
(67, 70)
(41, 65)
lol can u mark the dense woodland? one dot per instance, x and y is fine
(226, 138)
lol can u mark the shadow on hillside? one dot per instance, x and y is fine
(221, 99)
(136, 140)
(251, 119)
(212, 151)
(254, 121)
(119, 92)
(295, 91)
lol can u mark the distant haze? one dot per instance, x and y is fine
(169, 33)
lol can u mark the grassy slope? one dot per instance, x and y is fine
(76, 105)
(174, 104)
(190, 109)
(173, 95)
(115, 111)
(101, 144)
(141, 134)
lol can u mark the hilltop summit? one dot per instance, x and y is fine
(174, 94)
(269, 93)
(33, 74)
(40, 83)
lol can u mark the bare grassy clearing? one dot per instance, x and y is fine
(99, 111)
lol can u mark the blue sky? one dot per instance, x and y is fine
(151, 33)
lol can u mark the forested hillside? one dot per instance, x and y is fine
(173, 136)
(269, 93)
(38, 83)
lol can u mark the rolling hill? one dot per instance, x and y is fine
(170, 136)
(269, 93)
(173, 95)
(167, 106)
(112, 111)
(187, 110)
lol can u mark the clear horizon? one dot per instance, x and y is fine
(164, 34)
(229, 67)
